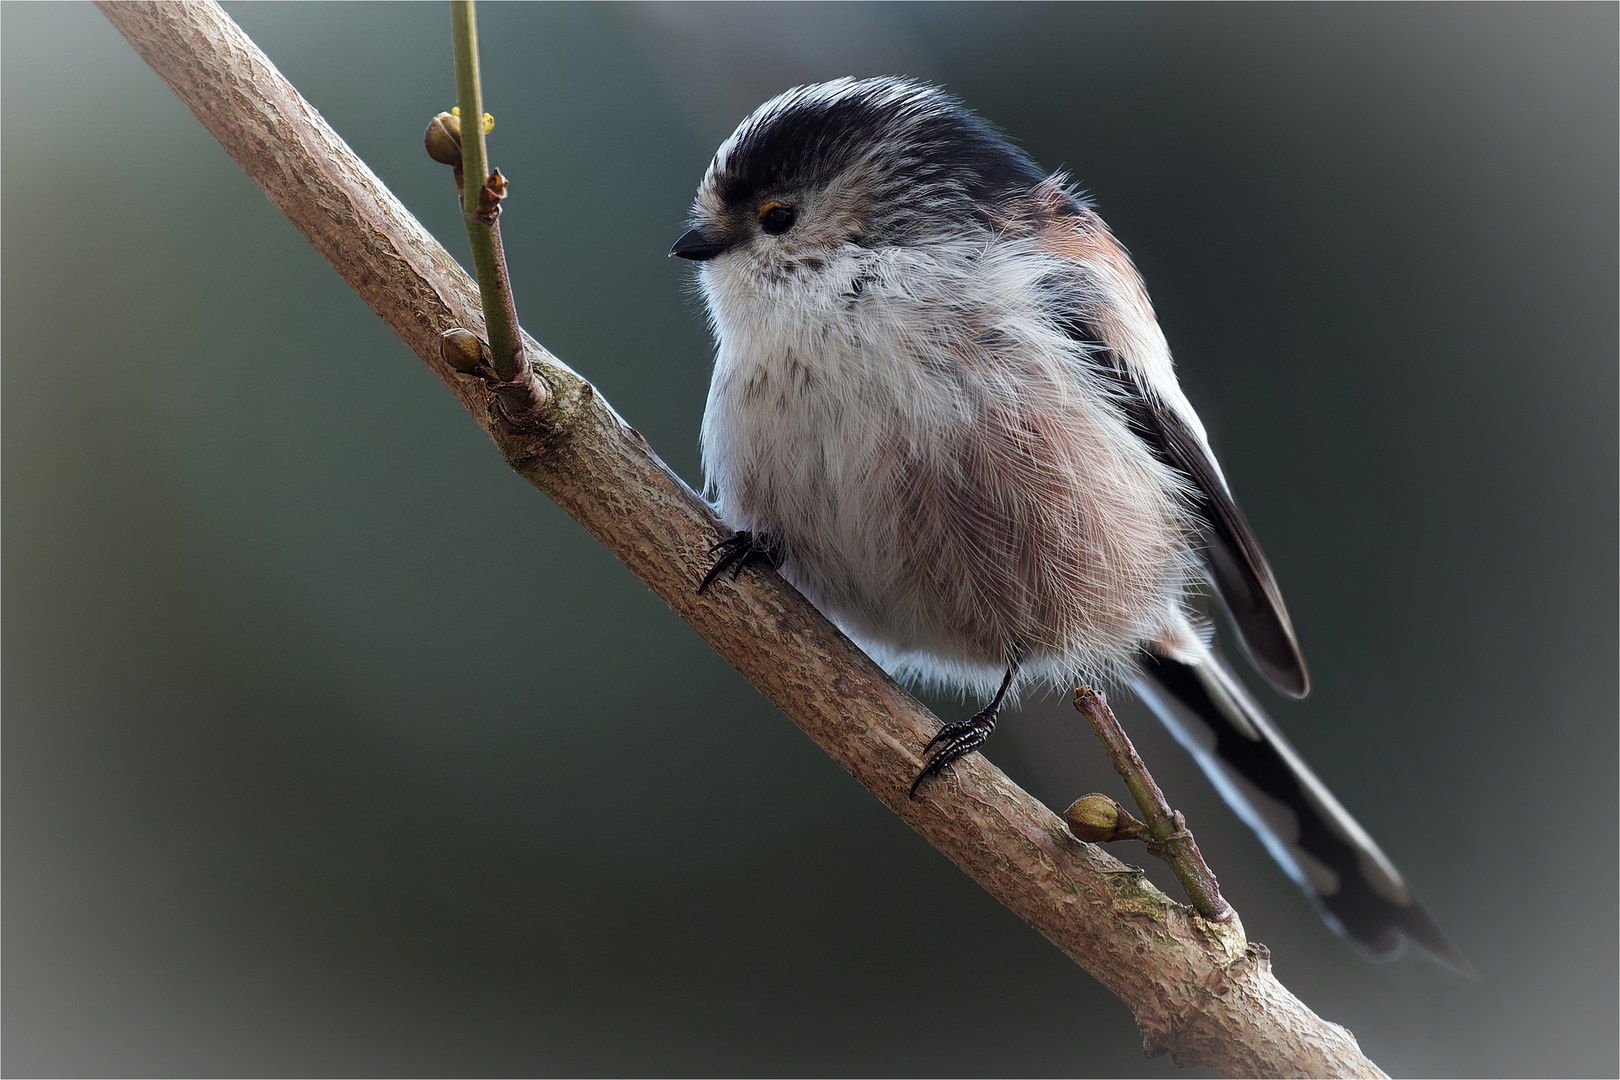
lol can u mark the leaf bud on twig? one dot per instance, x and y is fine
(1097, 819)
(443, 139)
(489, 198)
(462, 350)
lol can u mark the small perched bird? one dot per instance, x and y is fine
(943, 408)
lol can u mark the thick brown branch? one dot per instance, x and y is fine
(1198, 989)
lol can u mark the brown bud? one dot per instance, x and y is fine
(1098, 819)
(489, 198)
(443, 139)
(462, 350)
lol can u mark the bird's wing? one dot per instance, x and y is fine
(1102, 304)
(1106, 307)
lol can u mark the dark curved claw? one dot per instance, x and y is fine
(962, 737)
(737, 551)
(956, 740)
(953, 729)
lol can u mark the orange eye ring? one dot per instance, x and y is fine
(777, 217)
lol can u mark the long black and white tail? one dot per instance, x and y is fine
(1353, 884)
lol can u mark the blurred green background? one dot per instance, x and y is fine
(271, 808)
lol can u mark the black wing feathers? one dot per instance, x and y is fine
(1210, 712)
(1237, 567)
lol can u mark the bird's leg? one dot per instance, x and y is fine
(737, 551)
(961, 738)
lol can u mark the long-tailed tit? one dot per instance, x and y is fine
(943, 407)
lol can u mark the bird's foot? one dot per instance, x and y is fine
(737, 551)
(956, 740)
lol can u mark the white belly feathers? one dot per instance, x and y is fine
(950, 517)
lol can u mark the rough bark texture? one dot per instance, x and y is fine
(1199, 990)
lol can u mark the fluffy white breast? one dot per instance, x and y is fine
(947, 479)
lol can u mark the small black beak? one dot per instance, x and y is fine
(695, 244)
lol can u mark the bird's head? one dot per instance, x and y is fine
(850, 165)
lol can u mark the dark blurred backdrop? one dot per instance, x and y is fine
(270, 808)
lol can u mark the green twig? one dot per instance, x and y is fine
(1168, 837)
(521, 394)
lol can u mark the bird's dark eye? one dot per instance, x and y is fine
(777, 218)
